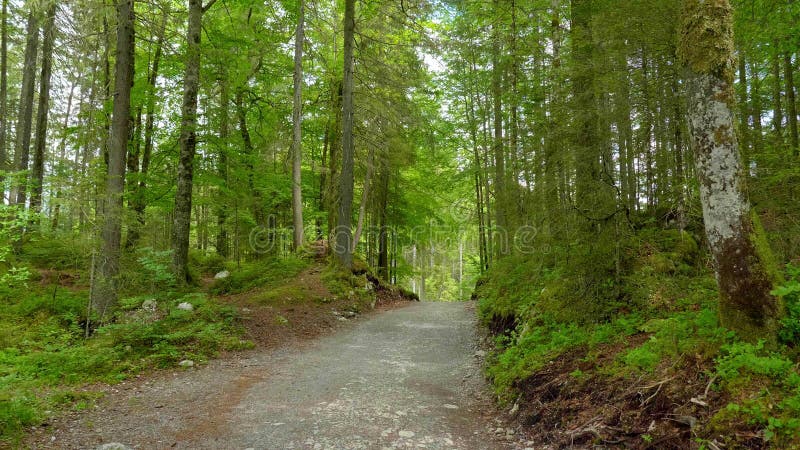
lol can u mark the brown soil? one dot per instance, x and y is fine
(666, 409)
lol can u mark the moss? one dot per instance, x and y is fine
(706, 39)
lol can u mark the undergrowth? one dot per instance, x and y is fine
(664, 320)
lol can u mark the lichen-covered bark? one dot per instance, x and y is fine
(742, 261)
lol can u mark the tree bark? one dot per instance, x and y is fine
(362, 210)
(501, 203)
(343, 233)
(24, 121)
(138, 202)
(222, 169)
(3, 96)
(791, 102)
(37, 172)
(104, 281)
(741, 254)
(188, 145)
(777, 110)
(297, 132)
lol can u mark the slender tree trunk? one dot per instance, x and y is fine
(222, 169)
(297, 136)
(343, 233)
(383, 232)
(744, 117)
(139, 204)
(777, 110)
(3, 97)
(104, 286)
(37, 172)
(24, 121)
(755, 113)
(62, 155)
(791, 102)
(501, 201)
(362, 210)
(188, 144)
(735, 238)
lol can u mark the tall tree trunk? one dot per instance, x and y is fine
(791, 102)
(362, 209)
(3, 96)
(297, 136)
(383, 232)
(222, 169)
(777, 110)
(37, 172)
(744, 117)
(104, 281)
(62, 155)
(24, 121)
(755, 113)
(343, 233)
(735, 238)
(138, 202)
(188, 144)
(501, 200)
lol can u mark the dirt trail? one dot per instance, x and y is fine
(405, 378)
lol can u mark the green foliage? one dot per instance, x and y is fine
(44, 350)
(209, 263)
(775, 404)
(790, 292)
(272, 272)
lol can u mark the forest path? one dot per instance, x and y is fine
(405, 378)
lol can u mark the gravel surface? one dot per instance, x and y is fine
(405, 378)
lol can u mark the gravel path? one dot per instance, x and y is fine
(406, 378)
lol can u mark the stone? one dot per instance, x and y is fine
(114, 446)
(222, 275)
(186, 306)
(186, 363)
(480, 354)
(150, 305)
(406, 434)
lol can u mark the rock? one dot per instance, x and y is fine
(448, 406)
(480, 354)
(222, 275)
(500, 430)
(350, 314)
(114, 446)
(186, 363)
(186, 306)
(514, 409)
(406, 434)
(150, 305)
(510, 431)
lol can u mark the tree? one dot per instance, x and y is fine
(737, 244)
(343, 233)
(24, 119)
(3, 95)
(104, 282)
(37, 172)
(297, 131)
(188, 142)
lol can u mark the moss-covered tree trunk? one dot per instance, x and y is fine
(741, 255)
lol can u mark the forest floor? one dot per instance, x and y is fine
(408, 377)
